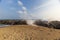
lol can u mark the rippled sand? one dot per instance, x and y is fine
(26, 32)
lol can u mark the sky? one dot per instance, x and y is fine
(30, 9)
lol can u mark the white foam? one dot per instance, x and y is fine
(31, 22)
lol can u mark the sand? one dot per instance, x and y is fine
(27, 32)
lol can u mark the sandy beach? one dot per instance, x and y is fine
(27, 32)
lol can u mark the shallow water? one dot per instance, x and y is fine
(3, 25)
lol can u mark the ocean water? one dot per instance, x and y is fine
(2, 25)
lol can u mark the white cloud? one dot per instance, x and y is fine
(46, 4)
(50, 11)
(20, 3)
(24, 12)
(24, 8)
(20, 12)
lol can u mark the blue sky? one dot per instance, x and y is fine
(30, 9)
(11, 9)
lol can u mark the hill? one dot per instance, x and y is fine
(27, 32)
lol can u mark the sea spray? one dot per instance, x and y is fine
(31, 22)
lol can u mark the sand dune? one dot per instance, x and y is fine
(26, 32)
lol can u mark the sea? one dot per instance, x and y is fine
(3, 25)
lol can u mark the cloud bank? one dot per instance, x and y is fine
(49, 10)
